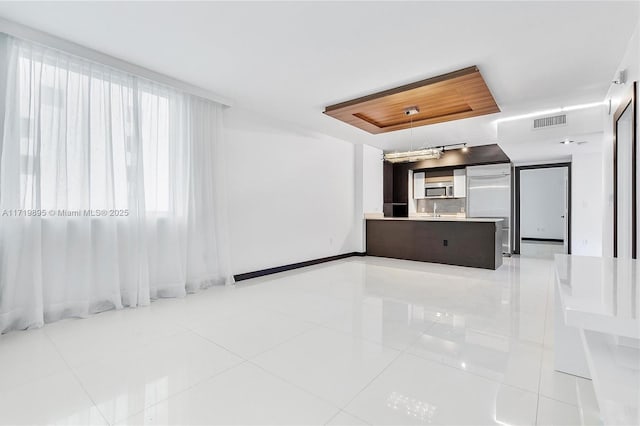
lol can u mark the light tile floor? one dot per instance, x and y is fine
(542, 249)
(352, 342)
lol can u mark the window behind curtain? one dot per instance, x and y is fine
(79, 136)
(155, 124)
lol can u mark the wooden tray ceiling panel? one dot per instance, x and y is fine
(453, 96)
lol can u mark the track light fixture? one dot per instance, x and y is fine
(429, 153)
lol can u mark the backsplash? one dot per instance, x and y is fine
(444, 205)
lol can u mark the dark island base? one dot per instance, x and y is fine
(474, 244)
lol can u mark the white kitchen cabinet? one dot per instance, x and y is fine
(459, 183)
(418, 185)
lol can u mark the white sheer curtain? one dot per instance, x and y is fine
(111, 189)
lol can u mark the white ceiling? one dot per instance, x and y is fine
(524, 144)
(290, 60)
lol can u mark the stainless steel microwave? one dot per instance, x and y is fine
(442, 189)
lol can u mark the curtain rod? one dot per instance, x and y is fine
(28, 33)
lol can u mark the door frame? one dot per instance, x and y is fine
(518, 169)
(628, 102)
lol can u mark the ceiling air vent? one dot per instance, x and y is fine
(554, 121)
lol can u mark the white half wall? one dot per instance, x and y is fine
(587, 208)
(542, 203)
(368, 188)
(291, 193)
(372, 167)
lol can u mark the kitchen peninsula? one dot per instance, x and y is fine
(454, 209)
(474, 242)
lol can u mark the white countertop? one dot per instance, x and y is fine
(615, 371)
(379, 216)
(600, 298)
(600, 294)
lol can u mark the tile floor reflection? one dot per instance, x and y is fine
(357, 341)
(541, 249)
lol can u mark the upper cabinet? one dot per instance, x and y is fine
(459, 183)
(442, 177)
(418, 185)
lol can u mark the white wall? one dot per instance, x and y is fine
(542, 203)
(368, 188)
(617, 92)
(527, 146)
(372, 197)
(586, 206)
(291, 193)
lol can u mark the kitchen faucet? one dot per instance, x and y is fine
(435, 208)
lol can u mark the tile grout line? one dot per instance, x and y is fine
(486, 378)
(364, 338)
(250, 360)
(559, 400)
(518, 388)
(444, 364)
(354, 416)
(253, 362)
(400, 353)
(546, 307)
(345, 334)
(198, 383)
(331, 403)
(335, 330)
(332, 417)
(64, 368)
(77, 379)
(306, 391)
(270, 348)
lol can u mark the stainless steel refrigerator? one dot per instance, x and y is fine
(489, 195)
